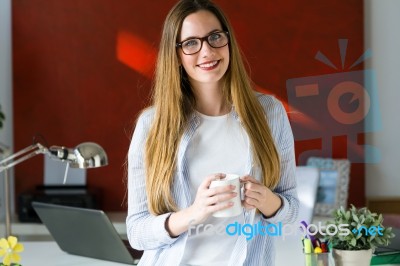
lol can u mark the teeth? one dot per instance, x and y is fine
(209, 64)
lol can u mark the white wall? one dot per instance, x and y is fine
(382, 35)
(5, 70)
(6, 134)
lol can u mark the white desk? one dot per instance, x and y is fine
(289, 251)
(49, 254)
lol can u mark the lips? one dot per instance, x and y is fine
(209, 65)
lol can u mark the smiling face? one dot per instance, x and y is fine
(209, 65)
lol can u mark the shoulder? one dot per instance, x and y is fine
(141, 130)
(144, 122)
(147, 113)
(146, 117)
(275, 114)
(270, 104)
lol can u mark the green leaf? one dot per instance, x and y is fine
(347, 215)
(362, 219)
(353, 242)
(355, 218)
(373, 237)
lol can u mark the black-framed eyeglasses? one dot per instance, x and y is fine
(216, 39)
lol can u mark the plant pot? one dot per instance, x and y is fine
(352, 257)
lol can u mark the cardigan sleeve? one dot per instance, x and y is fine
(144, 230)
(283, 137)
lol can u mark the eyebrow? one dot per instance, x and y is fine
(195, 37)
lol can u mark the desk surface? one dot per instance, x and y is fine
(49, 254)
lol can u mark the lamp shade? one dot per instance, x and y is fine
(89, 155)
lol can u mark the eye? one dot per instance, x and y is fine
(215, 37)
(190, 43)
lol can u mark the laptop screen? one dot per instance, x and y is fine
(85, 232)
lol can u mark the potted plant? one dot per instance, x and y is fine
(354, 234)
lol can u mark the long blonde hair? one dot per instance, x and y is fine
(174, 101)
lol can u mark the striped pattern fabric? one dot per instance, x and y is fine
(147, 232)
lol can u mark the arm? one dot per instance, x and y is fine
(144, 230)
(286, 188)
(280, 204)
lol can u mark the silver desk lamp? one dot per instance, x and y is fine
(85, 155)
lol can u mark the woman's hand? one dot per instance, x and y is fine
(207, 198)
(203, 206)
(256, 195)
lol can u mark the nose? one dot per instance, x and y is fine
(206, 49)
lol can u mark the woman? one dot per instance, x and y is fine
(206, 121)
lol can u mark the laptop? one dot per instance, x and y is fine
(86, 232)
(393, 247)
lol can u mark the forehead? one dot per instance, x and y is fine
(199, 24)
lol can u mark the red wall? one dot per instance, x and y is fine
(82, 70)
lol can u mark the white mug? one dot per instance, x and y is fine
(236, 209)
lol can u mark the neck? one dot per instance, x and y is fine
(210, 100)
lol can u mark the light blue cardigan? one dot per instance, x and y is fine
(147, 232)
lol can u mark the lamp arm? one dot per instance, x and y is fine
(22, 156)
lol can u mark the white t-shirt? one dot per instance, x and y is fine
(219, 145)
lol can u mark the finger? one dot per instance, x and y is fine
(219, 207)
(219, 190)
(220, 198)
(252, 194)
(248, 178)
(251, 201)
(207, 181)
(253, 187)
